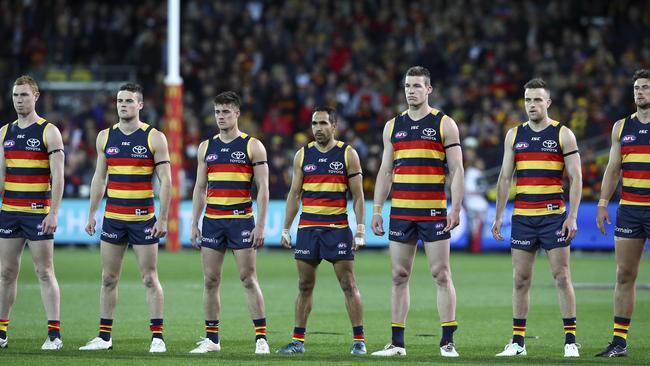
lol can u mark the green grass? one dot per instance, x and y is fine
(483, 284)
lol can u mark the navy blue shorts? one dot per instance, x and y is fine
(17, 225)
(227, 233)
(332, 244)
(532, 232)
(405, 231)
(128, 232)
(632, 222)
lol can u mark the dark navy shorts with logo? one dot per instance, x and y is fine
(227, 233)
(405, 231)
(532, 232)
(129, 232)
(632, 222)
(331, 244)
(19, 225)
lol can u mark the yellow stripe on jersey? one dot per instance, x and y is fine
(27, 187)
(6, 207)
(636, 183)
(441, 128)
(396, 202)
(537, 211)
(636, 158)
(27, 163)
(139, 194)
(246, 216)
(325, 187)
(419, 153)
(127, 217)
(130, 170)
(542, 165)
(419, 178)
(538, 189)
(44, 133)
(633, 203)
(324, 210)
(230, 176)
(228, 200)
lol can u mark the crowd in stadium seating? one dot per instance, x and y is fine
(285, 57)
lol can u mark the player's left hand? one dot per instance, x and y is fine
(569, 228)
(48, 224)
(159, 229)
(257, 236)
(359, 241)
(453, 219)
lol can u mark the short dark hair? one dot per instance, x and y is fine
(641, 74)
(27, 80)
(537, 83)
(331, 112)
(420, 71)
(133, 88)
(228, 97)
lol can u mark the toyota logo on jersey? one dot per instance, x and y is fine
(336, 165)
(139, 150)
(238, 155)
(33, 142)
(429, 132)
(549, 144)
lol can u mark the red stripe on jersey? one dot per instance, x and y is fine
(30, 155)
(538, 204)
(129, 162)
(634, 197)
(325, 178)
(418, 218)
(415, 195)
(131, 186)
(129, 210)
(233, 168)
(329, 202)
(539, 181)
(212, 211)
(27, 178)
(538, 156)
(635, 149)
(419, 169)
(25, 202)
(321, 223)
(636, 174)
(418, 144)
(219, 192)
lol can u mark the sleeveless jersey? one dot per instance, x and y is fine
(324, 187)
(419, 159)
(539, 164)
(635, 159)
(230, 178)
(27, 178)
(130, 171)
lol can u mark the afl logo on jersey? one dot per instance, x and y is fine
(112, 150)
(309, 168)
(211, 157)
(521, 145)
(238, 155)
(400, 134)
(549, 144)
(139, 150)
(9, 143)
(336, 165)
(628, 138)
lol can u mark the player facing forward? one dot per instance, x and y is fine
(31, 187)
(418, 144)
(539, 151)
(629, 156)
(128, 155)
(323, 172)
(228, 163)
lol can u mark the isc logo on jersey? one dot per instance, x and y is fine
(521, 145)
(628, 138)
(112, 150)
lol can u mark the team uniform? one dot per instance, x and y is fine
(419, 203)
(323, 231)
(27, 194)
(129, 215)
(228, 220)
(539, 210)
(633, 214)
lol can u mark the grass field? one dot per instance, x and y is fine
(483, 284)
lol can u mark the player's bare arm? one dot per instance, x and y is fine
(456, 171)
(3, 164)
(574, 171)
(54, 144)
(355, 184)
(261, 177)
(199, 193)
(610, 178)
(293, 199)
(504, 182)
(98, 183)
(384, 181)
(163, 171)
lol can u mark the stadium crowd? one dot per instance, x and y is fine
(286, 57)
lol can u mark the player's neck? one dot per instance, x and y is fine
(128, 126)
(539, 125)
(643, 114)
(27, 120)
(327, 147)
(419, 112)
(229, 134)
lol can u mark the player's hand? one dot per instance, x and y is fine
(359, 237)
(453, 219)
(601, 217)
(569, 228)
(378, 225)
(195, 237)
(285, 240)
(257, 237)
(48, 224)
(90, 226)
(496, 230)
(159, 229)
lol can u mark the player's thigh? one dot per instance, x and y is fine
(112, 255)
(212, 260)
(559, 259)
(42, 253)
(437, 254)
(10, 251)
(307, 272)
(402, 255)
(344, 270)
(246, 260)
(523, 262)
(147, 257)
(629, 253)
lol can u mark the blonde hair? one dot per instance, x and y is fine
(27, 80)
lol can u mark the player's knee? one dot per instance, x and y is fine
(109, 280)
(522, 281)
(562, 280)
(348, 286)
(248, 280)
(625, 276)
(8, 274)
(150, 280)
(400, 276)
(305, 287)
(442, 275)
(45, 274)
(211, 282)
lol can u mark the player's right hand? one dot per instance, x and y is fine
(285, 241)
(496, 230)
(378, 225)
(90, 226)
(195, 236)
(601, 217)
